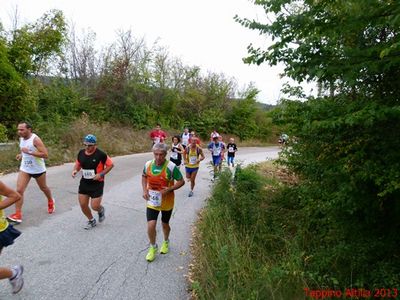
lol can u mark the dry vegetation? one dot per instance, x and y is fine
(114, 140)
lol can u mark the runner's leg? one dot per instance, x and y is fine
(5, 273)
(165, 217)
(41, 181)
(151, 231)
(166, 230)
(95, 203)
(193, 180)
(188, 175)
(22, 182)
(84, 203)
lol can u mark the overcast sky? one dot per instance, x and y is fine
(201, 33)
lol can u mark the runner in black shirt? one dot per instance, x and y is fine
(232, 148)
(95, 164)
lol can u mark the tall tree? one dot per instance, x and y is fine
(17, 100)
(346, 143)
(33, 46)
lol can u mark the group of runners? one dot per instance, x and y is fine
(160, 178)
(93, 163)
(186, 149)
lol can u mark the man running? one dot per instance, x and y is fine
(232, 148)
(185, 136)
(158, 184)
(7, 236)
(33, 153)
(214, 134)
(95, 164)
(283, 139)
(193, 155)
(217, 149)
(157, 135)
(193, 135)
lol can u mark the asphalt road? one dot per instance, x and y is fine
(64, 261)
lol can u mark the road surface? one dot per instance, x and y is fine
(64, 261)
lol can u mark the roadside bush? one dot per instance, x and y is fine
(249, 247)
(3, 133)
(265, 237)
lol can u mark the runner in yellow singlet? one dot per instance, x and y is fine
(7, 236)
(193, 155)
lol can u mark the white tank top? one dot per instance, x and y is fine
(29, 163)
(185, 138)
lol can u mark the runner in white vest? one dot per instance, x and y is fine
(185, 136)
(33, 153)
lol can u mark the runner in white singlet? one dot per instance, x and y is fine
(33, 153)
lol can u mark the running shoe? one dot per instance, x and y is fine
(151, 255)
(102, 215)
(190, 194)
(90, 224)
(16, 217)
(17, 282)
(164, 247)
(51, 206)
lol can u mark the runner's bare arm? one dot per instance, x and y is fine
(77, 168)
(11, 196)
(109, 166)
(41, 149)
(201, 154)
(177, 185)
(181, 149)
(144, 187)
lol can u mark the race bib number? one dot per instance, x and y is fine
(28, 163)
(155, 198)
(192, 160)
(174, 155)
(231, 149)
(216, 151)
(88, 173)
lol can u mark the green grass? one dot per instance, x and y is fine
(260, 237)
(246, 246)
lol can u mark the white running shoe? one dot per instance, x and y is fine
(17, 282)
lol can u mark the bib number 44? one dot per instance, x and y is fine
(155, 198)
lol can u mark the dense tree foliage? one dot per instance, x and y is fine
(16, 101)
(345, 141)
(51, 73)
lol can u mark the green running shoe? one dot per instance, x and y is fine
(164, 247)
(151, 255)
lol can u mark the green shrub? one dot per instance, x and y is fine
(3, 133)
(246, 251)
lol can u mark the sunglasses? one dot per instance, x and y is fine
(89, 145)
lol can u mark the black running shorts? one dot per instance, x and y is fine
(93, 189)
(152, 214)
